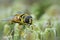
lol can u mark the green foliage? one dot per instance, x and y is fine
(43, 11)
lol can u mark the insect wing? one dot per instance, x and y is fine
(8, 19)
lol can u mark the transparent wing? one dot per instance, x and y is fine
(24, 12)
(20, 12)
(8, 19)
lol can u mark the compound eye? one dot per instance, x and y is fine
(28, 19)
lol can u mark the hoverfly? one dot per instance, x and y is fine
(20, 18)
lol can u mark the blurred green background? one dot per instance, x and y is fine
(45, 13)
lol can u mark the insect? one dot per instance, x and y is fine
(21, 18)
